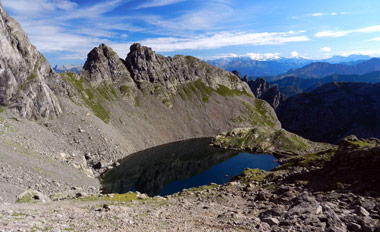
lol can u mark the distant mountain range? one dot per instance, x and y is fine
(294, 85)
(75, 68)
(323, 69)
(272, 67)
(250, 67)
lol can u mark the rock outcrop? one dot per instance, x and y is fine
(263, 90)
(103, 66)
(265, 140)
(333, 111)
(27, 82)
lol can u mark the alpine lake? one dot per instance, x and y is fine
(170, 168)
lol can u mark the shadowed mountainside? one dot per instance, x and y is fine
(333, 111)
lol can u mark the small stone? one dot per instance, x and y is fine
(319, 210)
(106, 207)
(271, 221)
(355, 227)
(361, 211)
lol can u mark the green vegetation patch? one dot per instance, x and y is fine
(34, 74)
(251, 175)
(1, 109)
(191, 60)
(225, 91)
(308, 160)
(361, 144)
(182, 94)
(188, 92)
(126, 197)
(202, 188)
(91, 97)
(204, 90)
(26, 199)
(125, 90)
(256, 115)
(137, 101)
(233, 78)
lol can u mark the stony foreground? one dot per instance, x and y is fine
(233, 207)
(334, 190)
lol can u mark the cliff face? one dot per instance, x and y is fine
(333, 111)
(27, 81)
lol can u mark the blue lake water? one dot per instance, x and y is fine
(170, 168)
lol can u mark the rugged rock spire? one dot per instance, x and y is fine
(262, 90)
(26, 78)
(103, 65)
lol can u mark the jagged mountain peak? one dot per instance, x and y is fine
(103, 65)
(27, 80)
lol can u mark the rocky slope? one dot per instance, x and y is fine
(333, 111)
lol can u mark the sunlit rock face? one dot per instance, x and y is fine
(27, 81)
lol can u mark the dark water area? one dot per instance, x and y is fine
(170, 168)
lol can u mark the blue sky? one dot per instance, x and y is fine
(66, 30)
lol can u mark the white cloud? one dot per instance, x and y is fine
(264, 56)
(340, 33)
(251, 55)
(27, 7)
(326, 49)
(49, 25)
(94, 11)
(222, 39)
(294, 54)
(331, 33)
(157, 3)
(363, 52)
(319, 14)
(206, 18)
